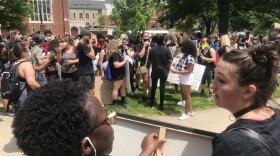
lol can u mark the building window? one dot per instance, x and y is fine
(76, 5)
(89, 5)
(33, 29)
(93, 15)
(74, 15)
(82, 5)
(87, 23)
(87, 16)
(81, 15)
(99, 11)
(50, 29)
(42, 10)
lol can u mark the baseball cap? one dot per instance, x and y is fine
(41, 37)
(126, 39)
(84, 32)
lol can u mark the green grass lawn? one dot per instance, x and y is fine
(138, 107)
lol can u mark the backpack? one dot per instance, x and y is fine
(11, 87)
(108, 73)
(217, 58)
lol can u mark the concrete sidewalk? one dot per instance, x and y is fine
(8, 145)
(213, 120)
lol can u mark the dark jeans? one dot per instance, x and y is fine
(132, 72)
(207, 76)
(154, 87)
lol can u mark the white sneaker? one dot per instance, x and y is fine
(184, 117)
(190, 113)
(182, 103)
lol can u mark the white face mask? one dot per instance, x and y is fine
(87, 138)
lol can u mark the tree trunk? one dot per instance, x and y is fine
(208, 27)
(223, 15)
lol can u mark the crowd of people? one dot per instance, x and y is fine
(75, 56)
(241, 73)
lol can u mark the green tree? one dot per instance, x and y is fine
(235, 15)
(13, 12)
(184, 14)
(132, 15)
(101, 19)
(254, 15)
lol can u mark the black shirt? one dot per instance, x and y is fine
(234, 143)
(139, 47)
(160, 57)
(85, 66)
(117, 73)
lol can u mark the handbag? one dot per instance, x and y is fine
(143, 69)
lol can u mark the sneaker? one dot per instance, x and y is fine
(210, 97)
(190, 113)
(184, 117)
(182, 103)
(152, 105)
(160, 108)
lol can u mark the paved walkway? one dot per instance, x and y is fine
(215, 120)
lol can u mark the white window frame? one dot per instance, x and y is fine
(49, 15)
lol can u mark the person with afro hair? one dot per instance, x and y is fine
(61, 119)
(185, 69)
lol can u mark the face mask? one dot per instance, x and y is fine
(87, 138)
(146, 40)
(87, 41)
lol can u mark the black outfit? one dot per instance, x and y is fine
(142, 60)
(160, 58)
(234, 143)
(131, 68)
(117, 73)
(3, 63)
(208, 73)
(85, 67)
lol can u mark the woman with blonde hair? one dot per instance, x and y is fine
(224, 46)
(117, 63)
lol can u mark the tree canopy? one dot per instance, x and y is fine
(13, 12)
(234, 15)
(132, 15)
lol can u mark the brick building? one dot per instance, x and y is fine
(85, 13)
(48, 15)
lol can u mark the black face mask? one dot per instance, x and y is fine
(146, 40)
(87, 41)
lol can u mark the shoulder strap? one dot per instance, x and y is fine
(17, 63)
(147, 57)
(257, 137)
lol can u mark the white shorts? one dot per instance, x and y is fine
(187, 79)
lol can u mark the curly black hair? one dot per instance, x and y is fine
(188, 48)
(53, 120)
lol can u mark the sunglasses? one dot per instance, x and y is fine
(111, 119)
